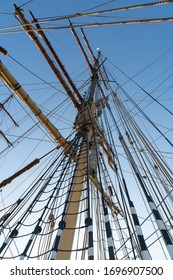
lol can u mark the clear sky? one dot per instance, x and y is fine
(130, 47)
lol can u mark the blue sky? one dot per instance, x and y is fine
(131, 47)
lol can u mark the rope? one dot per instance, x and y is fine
(26, 3)
(89, 221)
(150, 201)
(105, 210)
(82, 25)
(153, 98)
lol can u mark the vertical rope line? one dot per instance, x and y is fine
(157, 216)
(159, 221)
(132, 137)
(89, 221)
(106, 215)
(152, 205)
(122, 195)
(154, 154)
(141, 243)
(154, 188)
(144, 250)
(125, 214)
(127, 219)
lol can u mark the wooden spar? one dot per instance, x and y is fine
(3, 135)
(81, 47)
(48, 44)
(18, 173)
(11, 82)
(88, 46)
(31, 32)
(92, 55)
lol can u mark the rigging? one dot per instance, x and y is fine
(84, 201)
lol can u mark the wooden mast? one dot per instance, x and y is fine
(70, 219)
(84, 120)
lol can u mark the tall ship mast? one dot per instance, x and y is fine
(86, 166)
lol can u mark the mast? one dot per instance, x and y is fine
(84, 122)
(62, 250)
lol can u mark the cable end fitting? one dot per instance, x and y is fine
(3, 51)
